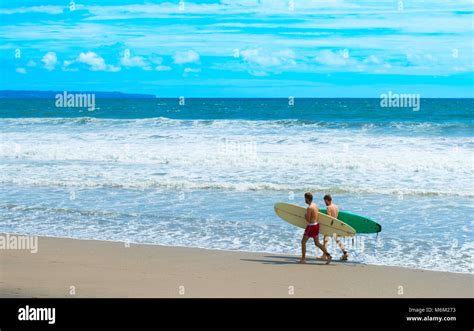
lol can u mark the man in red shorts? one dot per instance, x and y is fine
(312, 229)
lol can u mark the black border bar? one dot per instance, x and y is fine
(187, 313)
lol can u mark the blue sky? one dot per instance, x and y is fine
(240, 48)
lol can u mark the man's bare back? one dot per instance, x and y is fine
(312, 213)
(333, 210)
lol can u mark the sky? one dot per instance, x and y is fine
(240, 48)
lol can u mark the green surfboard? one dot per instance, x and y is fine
(360, 223)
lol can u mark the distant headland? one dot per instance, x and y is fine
(13, 94)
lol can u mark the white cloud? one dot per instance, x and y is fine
(50, 60)
(162, 68)
(186, 57)
(31, 63)
(155, 59)
(267, 59)
(66, 65)
(330, 58)
(422, 59)
(95, 62)
(258, 73)
(33, 9)
(158, 61)
(134, 61)
(21, 70)
(260, 62)
(191, 70)
(372, 59)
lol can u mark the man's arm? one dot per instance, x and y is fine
(308, 214)
(332, 211)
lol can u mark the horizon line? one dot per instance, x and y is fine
(154, 96)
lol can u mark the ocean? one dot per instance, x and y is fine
(207, 173)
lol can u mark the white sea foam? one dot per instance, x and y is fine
(192, 157)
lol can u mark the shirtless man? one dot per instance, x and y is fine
(333, 211)
(312, 229)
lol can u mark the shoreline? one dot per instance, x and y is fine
(308, 254)
(90, 268)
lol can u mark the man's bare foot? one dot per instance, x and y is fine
(329, 258)
(302, 261)
(322, 257)
(345, 256)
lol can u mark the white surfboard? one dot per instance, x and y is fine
(328, 225)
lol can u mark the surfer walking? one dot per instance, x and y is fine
(312, 229)
(333, 210)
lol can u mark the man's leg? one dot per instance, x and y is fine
(345, 255)
(303, 249)
(321, 247)
(325, 243)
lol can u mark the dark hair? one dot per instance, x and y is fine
(308, 196)
(327, 197)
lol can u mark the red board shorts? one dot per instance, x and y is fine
(312, 230)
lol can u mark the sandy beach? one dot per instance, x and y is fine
(87, 268)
